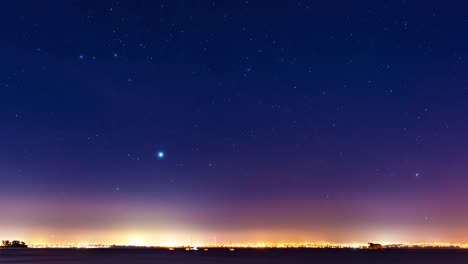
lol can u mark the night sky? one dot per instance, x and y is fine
(149, 122)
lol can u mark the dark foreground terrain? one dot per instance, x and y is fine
(289, 256)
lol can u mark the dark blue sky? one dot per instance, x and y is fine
(308, 107)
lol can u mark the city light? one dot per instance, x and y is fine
(259, 245)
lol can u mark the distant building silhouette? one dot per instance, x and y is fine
(373, 246)
(13, 244)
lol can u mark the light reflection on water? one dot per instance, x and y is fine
(219, 256)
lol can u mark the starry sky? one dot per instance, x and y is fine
(168, 121)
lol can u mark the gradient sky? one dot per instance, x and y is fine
(280, 121)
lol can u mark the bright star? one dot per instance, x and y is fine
(161, 154)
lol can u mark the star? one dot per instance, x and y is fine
(161, 154)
